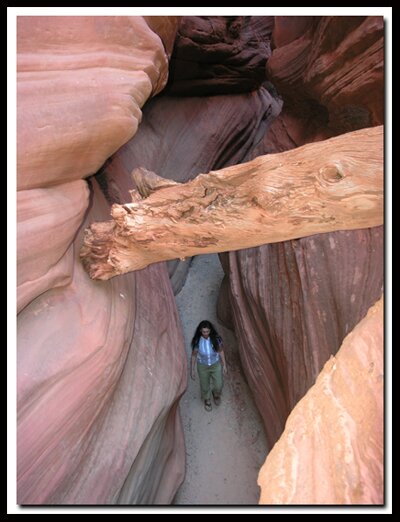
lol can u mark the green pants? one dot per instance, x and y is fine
(210, 380)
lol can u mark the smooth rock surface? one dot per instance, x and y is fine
(332, 449)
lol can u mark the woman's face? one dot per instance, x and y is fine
(205, 332)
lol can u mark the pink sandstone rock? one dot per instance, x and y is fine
(166, 27)
(331, 451)
(293, 303)
(97, 421)
(47, 221)
(85, 457)
(80, 86)
(100, 370)
(347, 46)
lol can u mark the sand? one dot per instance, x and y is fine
(226, 447)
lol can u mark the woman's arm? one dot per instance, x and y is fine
(222, 355)
(193, 364)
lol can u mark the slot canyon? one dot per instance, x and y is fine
(174, 169)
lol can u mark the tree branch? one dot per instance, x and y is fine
(335, 184)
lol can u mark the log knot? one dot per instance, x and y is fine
(331, 173)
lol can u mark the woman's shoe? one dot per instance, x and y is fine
(207, 405)
(217, 400)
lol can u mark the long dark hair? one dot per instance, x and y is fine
(213, 335)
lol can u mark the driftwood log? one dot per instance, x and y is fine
(335, 184)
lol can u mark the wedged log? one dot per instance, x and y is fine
(336, 184)
(332, 449)
(218, 131)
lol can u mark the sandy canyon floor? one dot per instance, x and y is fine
(226, 447)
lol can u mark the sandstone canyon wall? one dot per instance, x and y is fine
(330, 74)
(97, 417)
(101, 365)
(293, 303)
(334, 65)
(97, 420)
(212, 112)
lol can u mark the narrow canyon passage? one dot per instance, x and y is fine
(226, 447)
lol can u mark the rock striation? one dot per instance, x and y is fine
(81, 84)
(97, 418)
(292, 304)
(334, 70)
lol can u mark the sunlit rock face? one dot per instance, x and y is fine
(100, 370)
(293, 303)
(81, 84)
(220, 55)
(331, 451)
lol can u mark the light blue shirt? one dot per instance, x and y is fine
(206, 353)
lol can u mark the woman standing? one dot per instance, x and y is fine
(208, 353)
